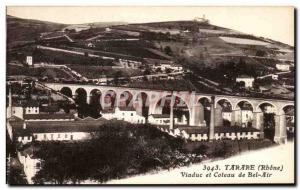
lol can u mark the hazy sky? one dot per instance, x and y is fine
(273, 22)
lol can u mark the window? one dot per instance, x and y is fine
(28, 138)
(131, 114)
(58, 136)
(66, 136)
(123, 114)
(45, 136)
(35, 136)
(71, 137)
(28, 110)
(51, 136)
(35, 111)
(38, 165)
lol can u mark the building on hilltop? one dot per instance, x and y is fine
(246, 79)
(283, 66)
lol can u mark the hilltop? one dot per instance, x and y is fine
(214, 55)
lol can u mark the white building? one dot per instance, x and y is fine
(164, 66)
(26, 131)
(269, 109)
(164, 119)
(226, 115)
(21, 110)
(246, 79)
(274, 77)
(247, 116)
(29, 60)
(283, 67)
(128, 114)
(90, 44)
(126, 63)
(31, 164)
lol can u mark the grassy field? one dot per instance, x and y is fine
(94, 72)
(27, 30)
(36, 72)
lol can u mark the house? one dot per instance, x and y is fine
(31, 164)
(266, 88)
(164, 119)
(126, 63)
(283, 66)
(247, 116)
(20, 109)
(274, 77)
(166, 66)
(128, 114)
(25, 131)
(269, 109)
(91, 45)
(29, 60)
(226, 114)
(246, 79)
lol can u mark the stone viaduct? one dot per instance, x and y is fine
(193, 103)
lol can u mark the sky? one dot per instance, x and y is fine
(276, 23)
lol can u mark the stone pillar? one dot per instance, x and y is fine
(258, 122)
(201, 115)
(172, 113)
(280, 129)
(233, 117)
(197, 117)
(212, 120)
(138, 105)
(88, 99)
(218, 115)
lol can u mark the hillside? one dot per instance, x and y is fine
(26, 30)
(212, 53)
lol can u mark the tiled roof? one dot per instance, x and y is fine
(244, 76)
(127, 108)
(14, 119)
(160, 115)
(58, 127)
(47, 116)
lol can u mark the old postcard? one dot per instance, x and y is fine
(150, 95)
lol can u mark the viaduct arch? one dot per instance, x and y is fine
(193, 102)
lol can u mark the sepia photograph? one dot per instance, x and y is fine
(150, 95)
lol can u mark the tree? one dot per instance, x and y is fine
(117, 150)
(201, 150)
(261, 53)
(168, 50)
(117, 75)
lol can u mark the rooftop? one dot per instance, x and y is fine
(244, 76)
(127, 108)
(57, 126)
(205, 130)
(48, 116)
(160, 115)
